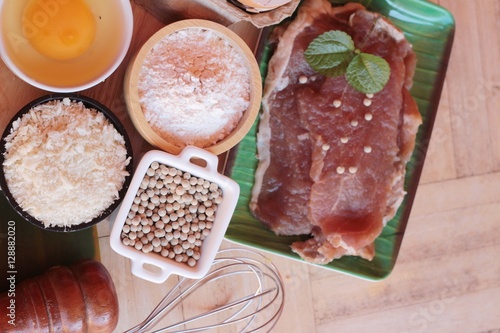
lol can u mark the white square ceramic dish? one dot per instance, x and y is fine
(163, 267)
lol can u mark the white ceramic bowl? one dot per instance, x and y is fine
(163, 267)
(113, 33)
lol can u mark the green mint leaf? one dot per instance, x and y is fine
(330, 53)
(338, 69)
(368, 73)
(333, 54)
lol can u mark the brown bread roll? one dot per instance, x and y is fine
(79, 298)
(99, 294)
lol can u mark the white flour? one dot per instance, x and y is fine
(194, 87)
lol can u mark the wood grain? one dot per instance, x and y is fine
(447, 278)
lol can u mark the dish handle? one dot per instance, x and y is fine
(159, 275)
(190, 153)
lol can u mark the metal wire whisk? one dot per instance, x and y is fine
(257, 311)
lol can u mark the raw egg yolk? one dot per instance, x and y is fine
(57, 29)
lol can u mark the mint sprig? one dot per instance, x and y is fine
(333, 54)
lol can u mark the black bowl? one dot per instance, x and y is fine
(89, 103)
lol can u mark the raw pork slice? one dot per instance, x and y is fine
(332, 160)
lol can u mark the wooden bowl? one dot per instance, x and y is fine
(132, 81)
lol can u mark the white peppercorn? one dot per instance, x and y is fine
(156, 242)
(172, 213)
(209, 212)
(191, 262)
(159, 233)
(178, 249)
(177, 234)
(136, 220)
(181, 221)
(147, 248)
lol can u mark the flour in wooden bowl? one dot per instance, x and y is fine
(194, 87)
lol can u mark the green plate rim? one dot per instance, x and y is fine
(431, 29)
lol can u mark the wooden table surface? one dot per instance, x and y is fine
(447, 277)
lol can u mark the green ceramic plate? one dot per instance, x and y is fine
(430, 29)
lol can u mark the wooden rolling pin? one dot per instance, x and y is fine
(79, 298)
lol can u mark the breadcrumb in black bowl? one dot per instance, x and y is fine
(66, 162)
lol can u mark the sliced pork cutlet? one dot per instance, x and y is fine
(282, 186)
(360, 148)
(352, 148)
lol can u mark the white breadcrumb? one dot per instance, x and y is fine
(64, 163)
